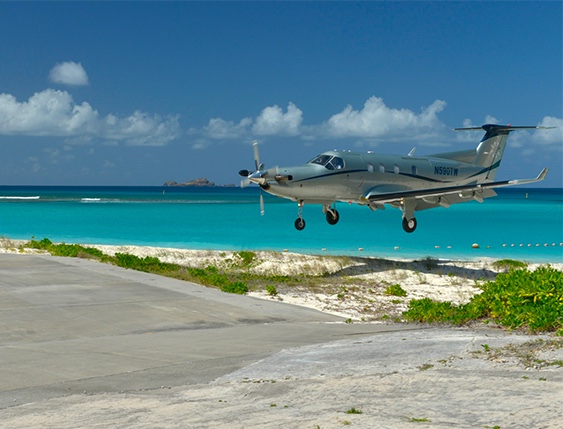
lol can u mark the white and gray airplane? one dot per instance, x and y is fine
(409, 183)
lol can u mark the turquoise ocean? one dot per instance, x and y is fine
(519, 223)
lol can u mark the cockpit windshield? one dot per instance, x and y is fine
(328, 161)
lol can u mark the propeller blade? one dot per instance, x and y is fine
(262, 211)
(257, 156)
(244, 182)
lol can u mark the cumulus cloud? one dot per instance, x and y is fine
(377, 120)
(218, 128)
(69, 73)
(273, 121)
(54, 113)
(552, 136)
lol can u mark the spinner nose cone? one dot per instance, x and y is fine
(244, 173)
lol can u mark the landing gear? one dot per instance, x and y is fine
(332, 216)
(409, 225)
(299, 222)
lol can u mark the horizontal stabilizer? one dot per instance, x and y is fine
(503, 128)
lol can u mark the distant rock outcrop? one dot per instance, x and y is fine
(197, 183)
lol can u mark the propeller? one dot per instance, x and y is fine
(258, 176)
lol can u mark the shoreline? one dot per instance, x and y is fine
(352, 287)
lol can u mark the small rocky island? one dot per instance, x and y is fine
(196, 183)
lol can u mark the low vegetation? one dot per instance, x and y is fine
(209, 276)
(519, 298)
(395, 290)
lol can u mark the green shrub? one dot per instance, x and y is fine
(63, 249)
(395, 290)
(147, 264)
(509, 264)
(516, 299)
(246, 256)
(271, 290)
(236, 287)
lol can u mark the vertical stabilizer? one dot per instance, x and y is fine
(490, 150)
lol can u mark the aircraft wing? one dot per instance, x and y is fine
(387, 197)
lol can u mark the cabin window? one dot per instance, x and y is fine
(396, 169)
(414, 170)
(370, 168)
(381, 168)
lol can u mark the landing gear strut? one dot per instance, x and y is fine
(409, 225)
(299, 222)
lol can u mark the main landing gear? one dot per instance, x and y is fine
(409, 225)
(332, 216)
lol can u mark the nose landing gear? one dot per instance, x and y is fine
(332, 216)
(300, 222)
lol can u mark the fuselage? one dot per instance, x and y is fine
(351, 177)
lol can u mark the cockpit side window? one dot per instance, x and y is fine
(329, 162)
(338, 163)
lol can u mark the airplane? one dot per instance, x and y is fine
(409, 183)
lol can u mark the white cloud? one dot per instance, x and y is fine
(53, 113)
(552, 136)
(220, 129)
(272, 121)
(69, 73)
(376, 120)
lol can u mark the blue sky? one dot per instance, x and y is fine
(127, 93)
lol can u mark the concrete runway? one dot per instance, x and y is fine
(71, 326)
(83, 344)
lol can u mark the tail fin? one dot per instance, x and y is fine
(491, 148)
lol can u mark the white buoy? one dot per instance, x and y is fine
(475, 246)
(396, 248)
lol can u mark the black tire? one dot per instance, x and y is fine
(299, 224)
(409, 225)
(332, 217)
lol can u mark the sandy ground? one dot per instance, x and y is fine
(428, 377)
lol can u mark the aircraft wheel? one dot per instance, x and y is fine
(332, 217)
(299, 224)
(409, 225)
